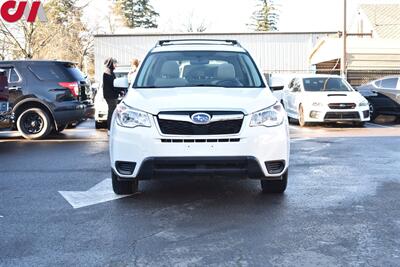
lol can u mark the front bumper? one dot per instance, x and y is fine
(101, 114)
(315, 114)
(243, 155)
(173, 167)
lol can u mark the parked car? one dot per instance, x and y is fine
(101, 109)
(277, 83)
(324, 98)
(46, 96)
(199, 107)
(122, 71)
(383, 96)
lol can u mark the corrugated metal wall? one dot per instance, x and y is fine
(273, 52)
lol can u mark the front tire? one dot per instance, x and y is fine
(275, 186)
(302, 121)
(34, 124)
(372, 112)
(124, 187)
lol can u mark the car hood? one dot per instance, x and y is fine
(247, 100)
(334, 97)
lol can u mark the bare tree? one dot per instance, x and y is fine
(64, 36)
(193, 26)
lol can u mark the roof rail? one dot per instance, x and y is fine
(198, 41)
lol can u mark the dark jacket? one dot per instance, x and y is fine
(109, 92)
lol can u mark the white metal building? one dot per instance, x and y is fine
(273, 51)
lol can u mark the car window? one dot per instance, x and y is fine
(322, 84)
(121, 74)
(47, 72)
(198, 69)
(390, 83)
(73, 71)
(14, 77)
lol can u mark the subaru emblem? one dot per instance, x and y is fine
(201, 118)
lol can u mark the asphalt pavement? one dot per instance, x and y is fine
(341, 207)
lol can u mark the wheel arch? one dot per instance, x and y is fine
(34, 103)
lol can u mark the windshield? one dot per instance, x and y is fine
(325, 84)
(197, 69)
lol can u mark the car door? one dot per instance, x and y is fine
(15, 83)
(390, 87)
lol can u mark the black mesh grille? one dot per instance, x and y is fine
(366, 114)
(342, 106)
(342, 115)
(231, 140)
(187, 128)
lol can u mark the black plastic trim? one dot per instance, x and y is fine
(176, 167)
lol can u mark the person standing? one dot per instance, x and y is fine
(134, 66)
(109, 91)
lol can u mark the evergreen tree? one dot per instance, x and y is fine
(266, 18)
(137, 13)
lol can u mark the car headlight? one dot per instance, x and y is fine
(317, 104)
(269, 117)
(364, 104)
(131, 118)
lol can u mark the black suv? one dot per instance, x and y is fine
(46, 96)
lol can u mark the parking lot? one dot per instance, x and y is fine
(341, 207)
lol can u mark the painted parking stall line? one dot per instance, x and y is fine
(100, 193)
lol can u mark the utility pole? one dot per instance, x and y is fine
(343, 61)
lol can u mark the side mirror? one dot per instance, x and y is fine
(277, 88)
(276, 84)
(121, 83)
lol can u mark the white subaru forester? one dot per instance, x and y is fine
(199, 108)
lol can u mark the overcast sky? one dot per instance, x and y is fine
(233, 15)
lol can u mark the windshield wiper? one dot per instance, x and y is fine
(205, 85)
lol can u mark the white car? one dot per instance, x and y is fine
(324, 98)
(101, 109)
(214, 117)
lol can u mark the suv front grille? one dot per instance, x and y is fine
(175, 127)
(342, 106)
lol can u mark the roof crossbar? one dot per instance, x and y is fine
(198, 41)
